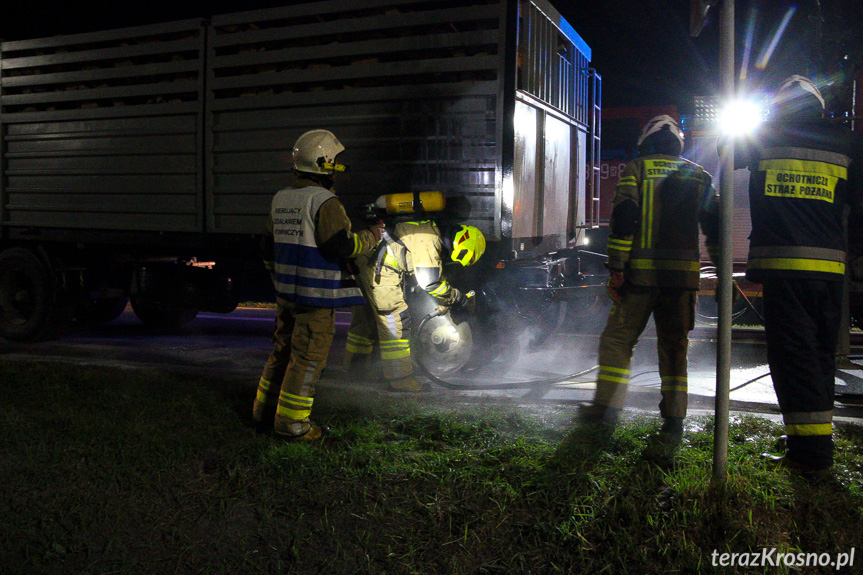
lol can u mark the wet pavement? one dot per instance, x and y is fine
(235, 346)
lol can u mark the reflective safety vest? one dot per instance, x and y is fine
(669, 192)
(301, 273)
(797, 195)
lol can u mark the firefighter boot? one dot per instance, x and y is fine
(662, 447)
(407, 385)
(594, 427)
(298, 429)
(597, 422)
(597, 414)
(803, 470)
(262, 415)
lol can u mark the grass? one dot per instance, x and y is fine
(140, 472)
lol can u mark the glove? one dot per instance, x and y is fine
(614, 286)
(377, 229)
(466, 302)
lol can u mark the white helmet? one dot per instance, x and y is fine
(315, 153)
(795, 87)
(658, 123)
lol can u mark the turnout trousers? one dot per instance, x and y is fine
(301, 344)
(362, 334)
(801, 322)
(387, 317)
(673, 311)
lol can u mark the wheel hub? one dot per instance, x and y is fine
(16, 298)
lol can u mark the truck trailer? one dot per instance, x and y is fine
(138, 164)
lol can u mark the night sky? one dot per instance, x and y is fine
(642, 49)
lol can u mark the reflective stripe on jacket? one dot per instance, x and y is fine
(301, 273)
(424, 257)
(419, 251)
(670, 193)
(798, 188)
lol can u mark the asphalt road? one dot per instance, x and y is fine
(235, 347)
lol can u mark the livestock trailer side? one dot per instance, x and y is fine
(483, 100)
(140, 162)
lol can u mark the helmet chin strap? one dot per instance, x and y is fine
(323, 180)
(446, 236)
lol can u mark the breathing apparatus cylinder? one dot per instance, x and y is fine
(408, 203)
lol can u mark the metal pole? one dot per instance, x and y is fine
(726, 229)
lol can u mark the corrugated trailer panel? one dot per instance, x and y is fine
(103, 131)
(127, 129)
(412, 88)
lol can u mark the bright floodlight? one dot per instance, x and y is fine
(739, 117)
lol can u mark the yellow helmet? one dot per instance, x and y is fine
(468, 245)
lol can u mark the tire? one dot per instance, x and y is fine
(32, 306)
(103, 310)
(156, 296)
(158, 316)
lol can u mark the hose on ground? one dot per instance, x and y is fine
(420, 361)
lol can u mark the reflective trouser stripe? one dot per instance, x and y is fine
(611, 386)
(394, 335)
(393, 324)
(675, 383)
(808, 423)
(264, 395)
(359, 344)
(810, 429)
(673, 311)
(363, 330)
(302, 341)
(299, 405)
(294, 406)
(395, 349)
(801, 320)
(613, 374)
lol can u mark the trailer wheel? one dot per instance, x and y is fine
(103, 310)
(32, 306)
(160, 316)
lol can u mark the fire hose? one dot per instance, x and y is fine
(443, 310)
(420, 362)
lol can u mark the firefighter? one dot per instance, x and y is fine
(654, 268)
(308, 234)
(416, 251)
(803, 171)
